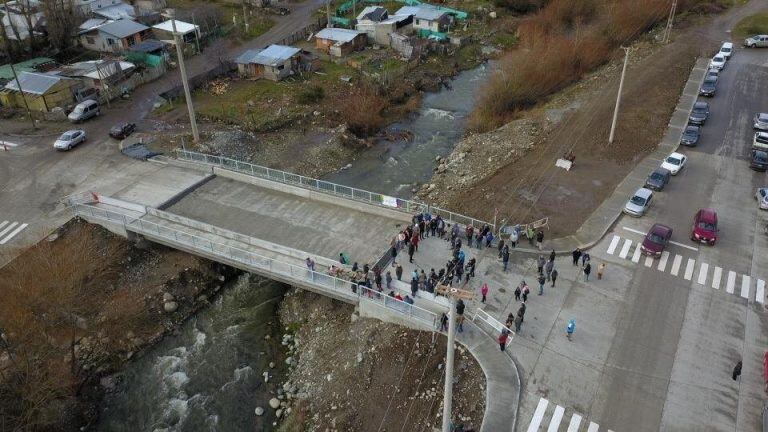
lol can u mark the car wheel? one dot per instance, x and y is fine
(752, 45)
(69, 147)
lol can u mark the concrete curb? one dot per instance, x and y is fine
(670, 142)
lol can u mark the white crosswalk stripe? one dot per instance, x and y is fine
(703, 273)
(688, 270)
(663, 261)
(745, 282)
(716, 277)
(539, 418)
(3, 223)
(9, 230)
(625, 248)
(676, 265)
(614, 243)
(731, 282)
(13, 233)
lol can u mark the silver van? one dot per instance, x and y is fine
(84, 110)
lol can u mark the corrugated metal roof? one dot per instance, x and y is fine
(26, 66)
(116, 11)
(181, 27)
(338, 34)
(373, 13)
(147, 45)
(91, 23)
(122, 28)
(425, 12)
(273, 55)
(34, 82)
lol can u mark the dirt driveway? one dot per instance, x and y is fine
(531, 187)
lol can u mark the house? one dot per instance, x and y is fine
(378, 24)
(39, 64)
(98, 74)
(43, 91)
(13, 17)
(111, 9)
(114, 36)
(428, 17)
(273, 63)
(338, 41)
(188, 33)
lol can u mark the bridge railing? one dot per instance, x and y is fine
(373, 198)
(489, 324)
(301, 274)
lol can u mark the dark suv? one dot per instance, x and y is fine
(708, 87)
(699, 113)
(658, 179)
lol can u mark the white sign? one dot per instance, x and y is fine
(389, 201)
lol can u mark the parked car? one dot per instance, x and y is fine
(690, 135)
(639, 203)
(699, 113)
(658, 179)
(761, 121)
(674, 163)
(69, 139)
(122, 130)
(756, 41)
(84, 110)
(726, 50)
(717, 62)
(705, 227)
(759, 160)
(760, 141)
(708, 87)
(712, 73)
(762, 198)
(656, 240)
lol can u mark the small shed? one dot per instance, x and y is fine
(38, 64)
(273, 63)
(338, 42)
(43, 91)
(427, 17)
(188, 32)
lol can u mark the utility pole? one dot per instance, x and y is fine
(23, 96)
(328, 13)
(245, 18)
(452, 294)
(180, 53)
(670, 21)
(618, 96)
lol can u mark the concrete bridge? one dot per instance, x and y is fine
(269, 221)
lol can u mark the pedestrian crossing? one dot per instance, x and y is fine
(9, 230)
(576, 423)
(703, 274)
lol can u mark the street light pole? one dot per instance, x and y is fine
(182, 68)
(448, 389)
(23, 96)
(618, 96)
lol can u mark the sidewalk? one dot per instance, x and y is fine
(603, 218)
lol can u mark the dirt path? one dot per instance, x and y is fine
(530, 187)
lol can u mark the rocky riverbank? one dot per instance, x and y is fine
(348, 373)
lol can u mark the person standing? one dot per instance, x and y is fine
(517, 293)
(469, 233)
(500, 246)
(541, 284)
(539, 239)
(484, 292)
(488, 239)
(585, 258)
(411, 250)
(414, 286)
(343, 259)
(587, 271)
(415, 241)
(552, 256)
(505, 257)
(444, 322)
(570, 328)
(521, 312)
(526, 291)
(399, 272)
(576, 254)
(310, 264)
(600, 271)
(736, 370)
(460, 315)
(554, 277)
(519, 322)
(503, 338)
(548, 267)
(530, 234)
(540, 264)
(388, 280)
(513, 237)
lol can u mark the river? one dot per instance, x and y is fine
(395, 167)
(208, 377)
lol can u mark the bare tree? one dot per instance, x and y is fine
(62, 18)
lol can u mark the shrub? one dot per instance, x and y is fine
(363, 110)
(310, 95)
(519, 6)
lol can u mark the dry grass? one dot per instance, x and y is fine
(363, 111)
(558, 45)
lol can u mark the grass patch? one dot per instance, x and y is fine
(505, 40)
(751, 25)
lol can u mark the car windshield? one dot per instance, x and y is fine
(691, 130)
(706, 226)
(673, 160)
(637, 200)
(761, 156)
(762, 139)
(67, 136)
(656, 238)
(710, 81)
(763, 117)
(726, 50)
(697, 110)
(719, 59)
(657, 176)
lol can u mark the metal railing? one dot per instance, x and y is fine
(373, 198)
(489, 324)
(268, 266)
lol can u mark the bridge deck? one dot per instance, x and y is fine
(315, 227)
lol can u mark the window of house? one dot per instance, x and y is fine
(110, 41)
(281, 67)
(418, 22)
(90, 40)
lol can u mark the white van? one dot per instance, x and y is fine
(84, 110)
(726, 50)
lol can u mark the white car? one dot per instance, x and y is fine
(674, 163)
(69, 139)
(717, 62)
(726, 50)
(762, 198)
